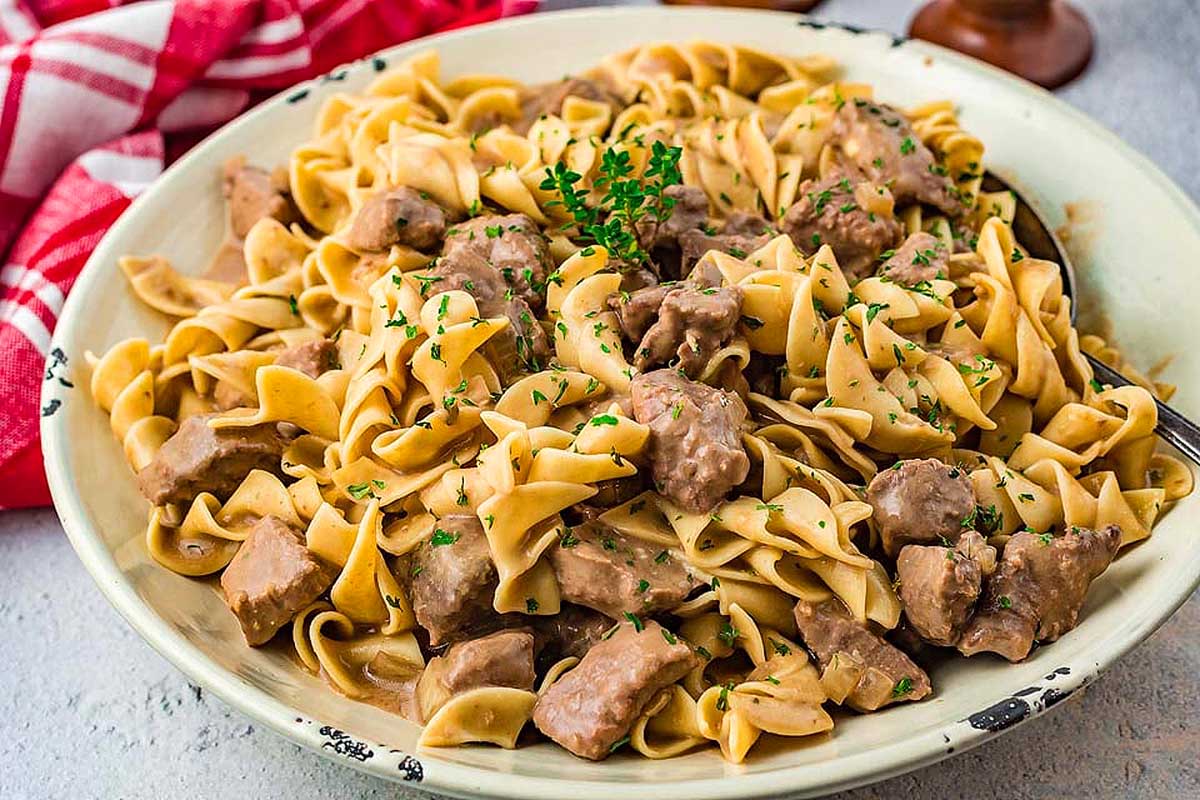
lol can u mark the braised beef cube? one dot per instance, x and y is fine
(511, 244)
(856, 220)
(692, 325)
(521, 347)
(504, 658)
(401, 216)
(689, 212)
(922, 258)
(695, 449)
(1038, 590)
(637, 310)
(921, 501)
(599, 568)
(939, 585)
(635, 278)
(881, 143)
(548, 98)
(889, 675)
(570, 632)
(591, 707)
(252, 193)
(227, 395)
(453, 580)
(695, 243)
(923, 654)
(199, 458)
(740, 223)
(705, 275)
(273, 577)
(314, 358)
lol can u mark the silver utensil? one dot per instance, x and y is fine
(1040, 241)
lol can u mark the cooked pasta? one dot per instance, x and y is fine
(662, 406)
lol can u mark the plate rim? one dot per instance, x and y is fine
(844, 772)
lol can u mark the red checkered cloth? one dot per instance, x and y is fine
(96, 96)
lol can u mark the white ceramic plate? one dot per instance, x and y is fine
(1131, 260)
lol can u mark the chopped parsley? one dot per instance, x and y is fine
(443, 538)
(873, 311)
(363, 490)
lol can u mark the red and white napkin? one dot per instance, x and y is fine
(96, 96)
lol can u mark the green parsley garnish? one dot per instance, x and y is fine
(442, 538)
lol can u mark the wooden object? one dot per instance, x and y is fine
(1046, 41)
(775, 5)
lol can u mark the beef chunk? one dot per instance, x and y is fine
(453, 584)
(740, 223)
(521, 347)
(880, 142)
(227, 395)
(694, 244)
(921, 258)
(504, 658)
(400, 216)
(1038, 589)
(920, 501)
(889, 675)
(538, 101)
(939, 585)
(513, 245)
(855, 220)
(599, 568)
(570, 632)
(592, 706)
(272, 578)
(313, 358)
(637, 313)
(198, 458)
(692, 325)
(689, 213)
(696, 453)
(253, 193)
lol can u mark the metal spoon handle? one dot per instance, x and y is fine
(1173, 427)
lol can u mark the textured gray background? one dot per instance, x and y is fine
(88, 710)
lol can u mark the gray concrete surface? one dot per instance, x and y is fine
(89, 711)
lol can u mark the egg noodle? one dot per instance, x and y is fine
(979, 367)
